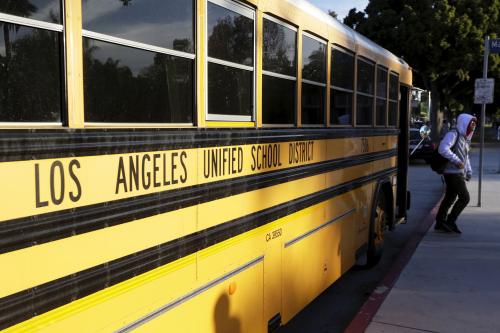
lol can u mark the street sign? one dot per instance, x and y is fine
(495, 45)
(483, 92)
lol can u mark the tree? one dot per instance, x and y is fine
(13, 7)
(354, 18)
(279, 48)
(333, 14)
(442, 40)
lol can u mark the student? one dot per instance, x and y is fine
(455, 148)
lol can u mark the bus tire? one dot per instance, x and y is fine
(378, 226)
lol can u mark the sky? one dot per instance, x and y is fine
(341, 7)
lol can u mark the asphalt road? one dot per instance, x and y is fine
(334, 309)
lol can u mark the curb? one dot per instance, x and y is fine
(365, 315)
(491, 144)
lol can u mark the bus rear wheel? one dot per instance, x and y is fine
(378, 226)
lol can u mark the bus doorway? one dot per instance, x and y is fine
(403, 196)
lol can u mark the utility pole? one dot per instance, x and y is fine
(483, 115)
(483, 94)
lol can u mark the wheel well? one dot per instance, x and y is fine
(385, 188)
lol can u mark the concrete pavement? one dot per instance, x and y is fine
(452, 282)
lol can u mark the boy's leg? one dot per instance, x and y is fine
(448, 200)
(463, 198)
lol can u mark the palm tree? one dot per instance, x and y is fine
(22, 8)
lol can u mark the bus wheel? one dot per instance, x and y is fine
(378, 226)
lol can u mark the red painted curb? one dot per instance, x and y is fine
(377, 297)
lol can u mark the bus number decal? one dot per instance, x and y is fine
(365, 148)
(273, 234)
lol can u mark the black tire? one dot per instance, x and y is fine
(378, 226)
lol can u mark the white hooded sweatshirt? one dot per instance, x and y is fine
(460, 152)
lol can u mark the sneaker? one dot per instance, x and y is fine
(453, 226)
(442, 227)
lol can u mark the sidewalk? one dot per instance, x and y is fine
(452, 282)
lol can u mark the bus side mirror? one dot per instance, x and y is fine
(425, 131)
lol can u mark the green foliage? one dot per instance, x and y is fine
(354, 18)
(443, 41)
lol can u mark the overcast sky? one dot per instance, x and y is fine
(341, 7)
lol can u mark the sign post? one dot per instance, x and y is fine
(495, 48)
(483, 94)
(498, 139)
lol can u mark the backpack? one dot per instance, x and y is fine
(437, 161)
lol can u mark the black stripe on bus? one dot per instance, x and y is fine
(34, 230)
(18, 145)
(32, 302)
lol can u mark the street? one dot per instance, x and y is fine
(333, 310)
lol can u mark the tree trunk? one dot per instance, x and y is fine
(436, 116)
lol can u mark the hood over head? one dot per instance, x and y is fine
(463, 122)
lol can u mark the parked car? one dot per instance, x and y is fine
(424, 150)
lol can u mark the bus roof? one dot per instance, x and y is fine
(356, 37)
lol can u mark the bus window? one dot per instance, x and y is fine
(31, 62)
(138, 61)
(365, 93)
(393, 99)
(313, 80)
(279, 69)
(381, 101)
(342, 87)
(230, 61)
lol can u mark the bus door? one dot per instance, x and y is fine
(402, 194)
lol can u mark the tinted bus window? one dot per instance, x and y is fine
(313, 104)
(340, 107)
(279, 49)
(366, 76)
(381, 83)
(167, 24)
(313, 60)
(393, 99)
(365, 93)
(279, 79)
(381, 103)
(230, 61)
(229, 90)
(139, 79)
(128, 85)
(278, 100)
(393, 87)
(342, 87)
(380, 112)
(364, 110)
(342, 74)
(393, 114)
(314, 78)
(30, 74)
(42, 10)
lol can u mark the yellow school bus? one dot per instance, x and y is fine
(190, 166)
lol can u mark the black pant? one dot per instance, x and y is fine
(455, 186)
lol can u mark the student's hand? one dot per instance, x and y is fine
(460, 165)
(468, 176)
